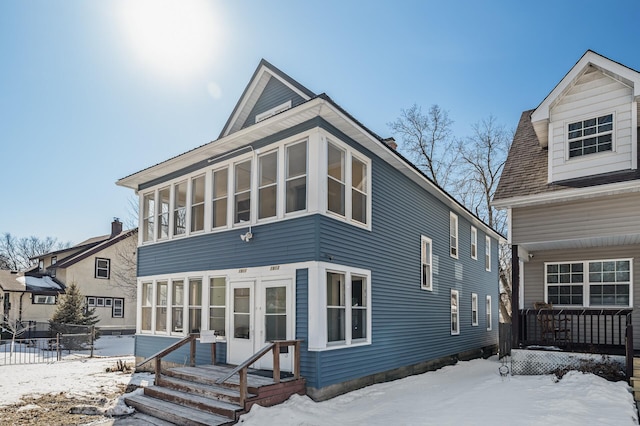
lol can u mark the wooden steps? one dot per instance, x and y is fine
(191, 396)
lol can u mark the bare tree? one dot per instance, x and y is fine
(482, 158)
(427, 137)
(16, 253)
(124, 270)
(15, 328)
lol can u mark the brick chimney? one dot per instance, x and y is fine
(116, 227)
(391, 142)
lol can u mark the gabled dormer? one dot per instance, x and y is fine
(269, 92)
(589, 122)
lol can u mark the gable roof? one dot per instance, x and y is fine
(93, 249)
(590, 59)
(263, 74)
(524, 178)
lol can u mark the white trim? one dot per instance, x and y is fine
(273, 111)
(474, 309)
(581, 119)
(454, 311)
(634, 135)
(454, 233)
(426, 240)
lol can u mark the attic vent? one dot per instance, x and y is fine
(273, 111)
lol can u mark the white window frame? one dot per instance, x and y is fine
(175, 207)
(164, 213)
(453, 235)
(147, 303)
(236, 192)
(488, 313)
(192, 205)
(275, 184)
(220, 334)
(288, 179)
(91, 301)
(161, 305)
(455, 313)
(106, 269)
(219, 198)
(474, 309)
(148, 202)
(426, 261)
(474, 242)
(487, 253)
(596, 135)
(586, 282)
(41, 299)
(100, 302)
(117, 310)
(349, 155)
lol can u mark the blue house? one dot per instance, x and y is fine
(300, 223)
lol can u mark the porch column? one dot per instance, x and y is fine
(515, 296)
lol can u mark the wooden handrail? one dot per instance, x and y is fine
(273, 346)
(169, 349)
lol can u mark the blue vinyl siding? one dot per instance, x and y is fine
(308, 360)
(274, 94)
(286, 241)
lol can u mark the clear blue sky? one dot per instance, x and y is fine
(92, 91)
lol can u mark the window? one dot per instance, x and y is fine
(180, 208)
(217, 305)
(425, 255)
(163, 213)
(487, 253)
(91, 301)
(590, 283)
(358, 190)
(220, 188)
(335, 180)
(268, 185)
(474, 309)
(100, 301)
(453, 235)
(296, 177)
(590, 136)
(147, 303)
(195, 305)
(177, 307)
(275, 315)
(197, 204)
(102, 268)
(108, 301)
(39, 299)
(54, 260)
(242, 204)
(117, 310)
(488, 311)
(148, 213)
(346, 322)
(455, 315)
(161, 305)
(474, 243)
(41, 264)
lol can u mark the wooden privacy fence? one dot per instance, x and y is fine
(504, 339)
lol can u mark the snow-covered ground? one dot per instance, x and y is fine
(469, 393)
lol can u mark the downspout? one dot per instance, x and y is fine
(515, 297)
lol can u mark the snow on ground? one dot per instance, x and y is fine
(76, 375)
(469, 393)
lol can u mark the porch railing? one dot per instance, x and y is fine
(592, 330)
(273, 347)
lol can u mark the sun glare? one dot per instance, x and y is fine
(176, 39)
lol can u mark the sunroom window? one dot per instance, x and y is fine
(148, 214)
(163, 212)
(336, 180)
(177, 306)
(590, 136)
(161, 306)
(242, 204)
(268, 185)
(197, 204)
(147, 306)
(296, 177)
(217, 305)
(180, 208)
(220, 190)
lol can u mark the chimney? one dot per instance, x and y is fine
(116, 227)
(391, 142)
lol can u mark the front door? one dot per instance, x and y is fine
(260, 313)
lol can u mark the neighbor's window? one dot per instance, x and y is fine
(39, 299)
(488, 312)
(54, 260)
(102, 268)
(335, 179)
(177, 306)
(474, 242)
(455, 314)
(347, 322)
(197, 204)
(426, 271)
(590, 136)
(117, 310)
(195, 305)
(217, 305)
(180, 208)
(474, 309)
(296, 177)
(220, 188)
(487, 253)
(148, 214)
(453, 235)
(163, 212)
(147, 306)
(267, 185)
(91, 301)
(242, 204)
(162, 288)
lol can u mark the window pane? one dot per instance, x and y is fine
(195, 292)
(335, 289)
(149, 212)
(359, 206)
(359, 175)
(268, 175)
(220, 183)
(358, 292)
(267, 202)
(358, 323)
(197, 204)
(177, 297)
(276, 298)
(220, 213)
(243, 193)
(243, 176)
(179, 211)
(276, 327)
(217, 320)
(163, 213)
(335, 324)
(243, 207)
(336, 197)
(297, 194)
(217, 291)
(297, 160)
(268, 168)
(241, 315)
(335, 164)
